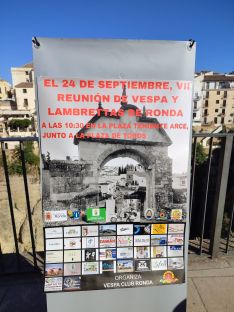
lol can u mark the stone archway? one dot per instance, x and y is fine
(142, 158)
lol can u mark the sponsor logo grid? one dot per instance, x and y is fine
(73, 252)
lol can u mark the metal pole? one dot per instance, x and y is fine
(206, 195)
(193, 177)
(229, 229)
(4, 159)
(28, 203)
(220, 196)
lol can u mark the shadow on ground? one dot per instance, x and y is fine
(22, 291)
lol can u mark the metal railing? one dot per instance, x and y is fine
(20, 141)
(212, 194)
(211, 180)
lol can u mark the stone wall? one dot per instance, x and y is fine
(70, 178)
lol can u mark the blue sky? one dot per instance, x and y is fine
(210, 23)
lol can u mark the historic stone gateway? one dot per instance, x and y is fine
(128, 135)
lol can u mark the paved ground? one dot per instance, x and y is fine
(211, 284)
(210, 288)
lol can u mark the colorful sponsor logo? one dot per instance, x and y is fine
(54, 256)
(158, 240)
(54, 269)
(108, 266)
(142, 240)
(72, 255)
(72, 243)
(72, 269)
(53, 284)
(107, 254)
(175, 263)
(176, 214)
(175, 228)
(158, 251)
(175, 239)
(124, 266)
(124, 229)
(169, 278)
(90, 230)
(159, 228)
(90, 255)
(124, 241)
(54, 244)
(141, 229)
(141, 252)
(125, 253)
(149, 214)
(96, 214)
(89, 242)
(90, 268)
(73, 214)
(72, 231)
(159, 264)
(107, 241)
(55, 216)
(107, 229)
(53, 232)
(72, 283)
(175, 251)
(142, 265)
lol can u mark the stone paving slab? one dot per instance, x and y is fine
(216, 293)
(212, 273)
(194, 302)
(205, 263)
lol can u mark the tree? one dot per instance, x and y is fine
(19, 123)
(200, 154)
(31, 159)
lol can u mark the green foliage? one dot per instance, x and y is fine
(200, 155)
(178, 196)
(19, 123)
(31, 159)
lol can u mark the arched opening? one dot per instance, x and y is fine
(124, 180)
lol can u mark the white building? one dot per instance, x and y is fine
(179, 181)
(213, 100)
(23, 84)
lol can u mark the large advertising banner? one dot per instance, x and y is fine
(115, 154)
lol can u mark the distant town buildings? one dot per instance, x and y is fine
(17, 104)
(213, 101)
(213, 104)
(23, 85)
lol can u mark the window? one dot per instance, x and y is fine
(225, 94)
(206, 103)
(218, 92)
(205, 112)
(224, 102)
(205, 120)
(194, 115)
(215, 120)
(26, 73)
(26, 102)
(217, 101)
(207, 94)
(216, 110)
(222, 120)
(223, 111)
(24, 90)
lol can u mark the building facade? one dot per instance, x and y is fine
(23, 84)
(213, 101)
